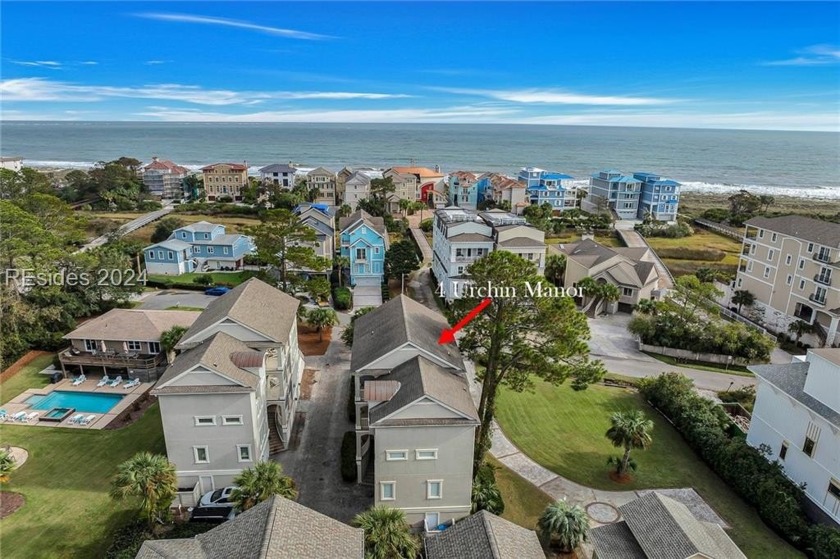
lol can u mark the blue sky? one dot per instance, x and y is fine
(705, 65)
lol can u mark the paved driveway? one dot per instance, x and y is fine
(610, 338)
(161, 300)
(367, 296)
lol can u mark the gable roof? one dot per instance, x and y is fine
(321, 171)
(419, 377)
(361, 216)
(132, 324)
(629, 267)
(276, 528)
(816, 230)
(614, 541)
(664, 529)
(422, 172)
(790, 379)
(278, 168)
(220, 352)
(254, 304)
(165, 165)
(170, 244)
(233, 166)
(200, 227)
(483, 535)
(399, 321)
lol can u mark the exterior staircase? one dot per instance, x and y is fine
(275, 443)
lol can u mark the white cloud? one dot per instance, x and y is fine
(226, 22)
(51, 64)
(41, 89)
(89, 63)
(556, 97)
(155, 62)
(815, 55)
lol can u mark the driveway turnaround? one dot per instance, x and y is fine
(367, 296)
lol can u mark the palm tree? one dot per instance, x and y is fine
(800, 328)
(150, 477)
(405, 205)
(255, 485)
(7, 464)
(341, 263)
(599, 291)
(555, 267)
(646, 306)
(387, 534)
(320, 319)
(743, 297)
(485, 492)
(629, 430)
(564, 524)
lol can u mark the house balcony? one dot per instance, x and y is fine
(817, 300)
(128, 360)
(465, 258)
(822, 256)
(825, 280)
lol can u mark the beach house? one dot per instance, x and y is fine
(357, 186)
(198, 247)
(462, 189)
(164, 179)
(278, 174)
(415, 418)
(548, 187)
(224, 180)
(660, 198)
(322, 180)
(321, 219)
(610, 190)
(364, 241)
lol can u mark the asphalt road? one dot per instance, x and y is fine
(161, 300)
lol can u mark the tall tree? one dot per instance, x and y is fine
(255, 485)
(598, 292)
(706, 274)
(743, 297)
(563, 525)
(387, 534)
(286, 243)
(151, 477)
(343, 211)
(629, 430)
(539, 216)
(766, 201)
(341, 264)
(165, 227)
(401, 258)
(521, 338)
(555, 268)
(695, 295)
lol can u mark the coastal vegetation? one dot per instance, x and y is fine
(703, 249)
(563, 525)
(387, 533)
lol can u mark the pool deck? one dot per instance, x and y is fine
(19, 404)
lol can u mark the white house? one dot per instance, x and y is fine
(797, 416)
(14, 164)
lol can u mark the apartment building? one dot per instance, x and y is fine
(278, 174)
(461, 236)
(224, 180)
(548, 187)
(797, 416)
(415, 418)
(636, 196)
(323, 180)
(790, 264)
(164, 179)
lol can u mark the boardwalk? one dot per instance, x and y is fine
(423, 243)
(127, 228)
(632, 238)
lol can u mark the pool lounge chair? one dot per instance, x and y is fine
(75, 419)
(79, 380)
(131, 383)
(19, 416)
(4, 415)
(103, 381)
(87, 420)
(116, 382)
(30, 416)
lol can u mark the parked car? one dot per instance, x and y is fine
(212, 514)
(217, 498)
(218, 290)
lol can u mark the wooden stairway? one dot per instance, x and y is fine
(275, 443)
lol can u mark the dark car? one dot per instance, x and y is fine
(218, 290)
(212, 514)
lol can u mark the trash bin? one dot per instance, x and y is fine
(56, 377)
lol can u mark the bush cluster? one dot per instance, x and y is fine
(216, 209)
(580, 220)
(348, 457)
(342, 298)
(760, 482)
(686, 253)
(700, 335)
(426, 225)
(660, 229)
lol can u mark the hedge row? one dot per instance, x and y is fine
(760, 482)
(685, 253)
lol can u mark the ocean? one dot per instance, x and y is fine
(805, 164)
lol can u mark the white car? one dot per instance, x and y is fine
(217, 498)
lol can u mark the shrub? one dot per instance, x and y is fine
(719, 215)
(203, 280)
(658, 229)
(825, 542)
(348, 457)
(426, 225)
(224, 199)
(342, 298)
(685, 253)
(744, 396)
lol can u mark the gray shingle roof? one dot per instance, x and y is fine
(401, 320)
(816, 230)
(132, 325)
(217, 353)
(470, 238)
(375, 223)
(615, 541)
(200, 226)
(484, 536)
(277, 529)
(170, 244)
(254, 304)
(419, 377)
(522, 242)
(277, 168)
(790, 378)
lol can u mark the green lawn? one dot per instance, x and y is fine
(564, 431)
(26, 378)
(65, 482)
(234, 278)
(701, 239)
(524, 502)
(701, 365)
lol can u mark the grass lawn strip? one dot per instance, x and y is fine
(563, 430)
(28, 377)
(524, 502)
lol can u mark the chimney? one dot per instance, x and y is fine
(437, 168)
(154, 158)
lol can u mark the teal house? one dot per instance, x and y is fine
(199, 247)
(364, 241)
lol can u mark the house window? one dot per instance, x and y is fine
(812, 435)
(201, 454)
(210, 250)
(361, 254)
(810, 247)
(376, 250)
(834, 488)
(205, 420)
(766, 272)
(627, 292)
(801, 263)
(808, 447)
(783, 450)
(160, 255)
(426, 454)
(154, 347)
(787, 260)
(225, 250)
(773, 238)
(434, 489)
(231, 420)
(801, 284)
(170, 255)
(387, 490)
(770, 254)
(749, 266)
(243, 452)
(395, 455)
(133, 346)
(789, 279)
(752, 249)
(90, 345)
(761, 233)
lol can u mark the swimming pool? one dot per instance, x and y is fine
(90, 402)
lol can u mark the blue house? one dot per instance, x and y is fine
(364, 241)
(660, 197)
(462, 190)
(199, 247)
(612, 190)
(548, 187)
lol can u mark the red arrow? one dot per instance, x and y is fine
(448, 335)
